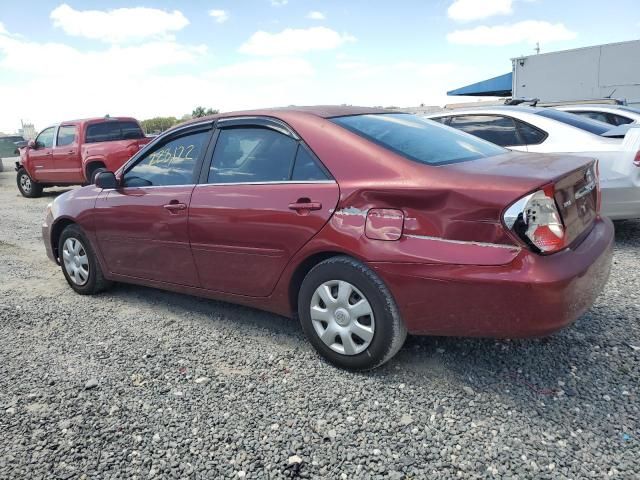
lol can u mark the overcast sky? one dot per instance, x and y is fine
(159, 57)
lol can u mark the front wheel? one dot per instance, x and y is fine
(349, 315)
(79, 263)
(28, 187)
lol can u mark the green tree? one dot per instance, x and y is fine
(158, 124)
(203, 112)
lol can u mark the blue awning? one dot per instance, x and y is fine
(494, 87)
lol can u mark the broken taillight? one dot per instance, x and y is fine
(536, 220)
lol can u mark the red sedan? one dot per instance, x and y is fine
(365, 224)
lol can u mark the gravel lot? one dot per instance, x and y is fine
(141, 383)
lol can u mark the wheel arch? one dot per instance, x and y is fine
(56, 230)
(304, 267)
(93, 162)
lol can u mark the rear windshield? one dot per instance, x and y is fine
(592, 126)
(113, 130)
(418, 138)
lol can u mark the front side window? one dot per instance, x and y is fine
(113, 130)
(418, 138)
(45, 139)
(66, 135)
(171, 163)
(252, 154)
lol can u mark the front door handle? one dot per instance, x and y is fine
(302, 205)
(175, 207)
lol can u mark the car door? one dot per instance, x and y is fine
(66, 155)
(262, 196)
(41, 156)
(142, 226)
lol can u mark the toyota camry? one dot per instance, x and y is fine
(365, 224)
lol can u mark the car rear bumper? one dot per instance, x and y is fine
(532, 296)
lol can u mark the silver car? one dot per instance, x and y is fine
(546, 130)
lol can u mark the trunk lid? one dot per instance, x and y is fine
(573, 178)
(577, 199)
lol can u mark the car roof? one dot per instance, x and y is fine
(99, 119)
(499, 108)
(322, 111)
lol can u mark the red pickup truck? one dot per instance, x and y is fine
(71, 153)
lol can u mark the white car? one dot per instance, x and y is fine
(612, 114)
(546, 130)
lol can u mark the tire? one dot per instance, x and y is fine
(79, 263)
(92, 171)
(28, 188)
(324, 290)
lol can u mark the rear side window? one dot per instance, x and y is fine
(306, 168)
(599, 116)
(252, 155)
(586, 124)
(529, 134)
(492, 128)
(418, 138)
(113, 130)
(443, 120)
(66, 135)
(619, 119)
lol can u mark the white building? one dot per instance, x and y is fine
(590, 73)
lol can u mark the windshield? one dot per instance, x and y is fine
(418, 138)
(592, 126)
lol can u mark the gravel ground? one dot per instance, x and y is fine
(141, 383)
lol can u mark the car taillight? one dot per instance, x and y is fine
(636, 161)
(536, 220)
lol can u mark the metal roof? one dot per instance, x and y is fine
(499, 86)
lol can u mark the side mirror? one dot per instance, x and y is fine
(106, 180)
(31, 144)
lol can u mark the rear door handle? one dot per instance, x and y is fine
(298, 206)
(175, 207)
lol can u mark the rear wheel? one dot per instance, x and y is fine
(79, 264)
(28, 187)
(92, 171)
(349, 315)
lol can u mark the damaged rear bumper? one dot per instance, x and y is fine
(532, 295)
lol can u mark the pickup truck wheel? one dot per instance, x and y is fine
(28, 188)
(79, 263)
(349, 315)
(92, 171)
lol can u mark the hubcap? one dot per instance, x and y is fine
(342, 317)
(76, 262)
(25, 182)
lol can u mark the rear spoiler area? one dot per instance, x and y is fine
(620, 131)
